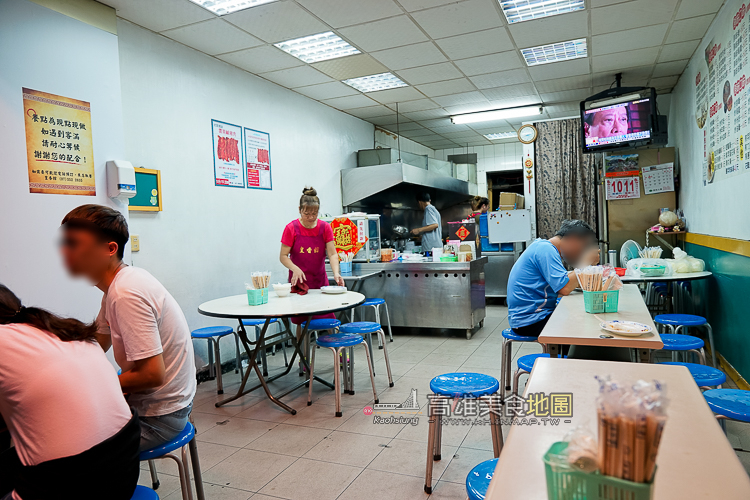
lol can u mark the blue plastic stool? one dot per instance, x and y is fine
(183, 441)
(731, 404)
(320, 324)
(682, 343)
(478, 480)
(144, 493)
(256, 325)
(704, 376)
(677, 321)
(375, 303)
(213, 335)
(336, 343)
(509, 336)
(525, 364)
(461, 385)
(366, 329)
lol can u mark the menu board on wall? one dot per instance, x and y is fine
(721, 99)
(227, 145)
(59, 147)
(258, 159)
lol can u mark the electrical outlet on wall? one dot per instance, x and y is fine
(135, 243)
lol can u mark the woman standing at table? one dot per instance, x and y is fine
(305, 244)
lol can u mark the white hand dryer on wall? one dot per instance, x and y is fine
(120, 179)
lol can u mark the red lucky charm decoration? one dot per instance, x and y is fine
(528, 163)
(345, 236)
(462, 233)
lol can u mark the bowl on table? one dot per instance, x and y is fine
(282, 289)
(653, 270)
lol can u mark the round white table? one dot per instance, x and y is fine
(314, 303)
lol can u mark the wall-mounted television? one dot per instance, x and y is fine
(619, 118)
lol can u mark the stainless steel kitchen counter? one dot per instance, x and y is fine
(429, 294)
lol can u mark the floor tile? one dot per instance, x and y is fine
(248, 469)
(289, 440)
(317, 415)
(268, 411)
(402, 457)
(462, 462)
(213, 492)
(378, 484)
(453, 435)
(237, 432)
(229, 409)
(357, 450)
(311, 479)
(445, 490)
(359, 423)
(431, 371)
(445, 358)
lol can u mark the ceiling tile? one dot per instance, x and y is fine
(637, 38)
(459, 18)
(350, 102)
(369, 111)
(670, 68)
(604, 3)
(410, 56)
(511, 91)
(438, 122)
(468, 108)
(560, 69)
(446, 87)
(159, 15)
(409, 126)
(452, 128)
(566, 95)
(694, 8)
(384, 34)
(420, 132)
(476, 44)
(424, 116)
(343, 68)
(395, 95)
(213, 37)
(387, 120)
(563, 114)
(277, 21)
(483, 128)
(631, 77)
(416, 105)
(463, 98)
(412, 5)
(509, 102)
(629, 15)
(689, 29)
(462, 136)
(501, 78)
(569, 83)
(551, 29)
(340, 13)
(625, 60)
(568, 107)
(664, 82)
(297, 77)
(429, 74)
(326, 90)
(677, 51)
(261, 59)
(490, 63)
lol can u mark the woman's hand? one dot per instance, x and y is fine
(298, 276)
(339, 280)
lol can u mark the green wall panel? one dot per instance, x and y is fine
(724, 299)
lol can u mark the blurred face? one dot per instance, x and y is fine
(573, 247)
(611, 122)
(308, 215)
(85, 254)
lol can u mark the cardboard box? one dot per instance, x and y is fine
(511, 200)
(520, 200)
(506, 207)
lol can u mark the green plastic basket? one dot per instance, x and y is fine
(601, 302)
(258, 296)
(566, 483)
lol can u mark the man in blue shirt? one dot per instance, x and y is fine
(431, 230)
(539, 276)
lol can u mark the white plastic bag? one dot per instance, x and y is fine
(634, 266)
(683, 263)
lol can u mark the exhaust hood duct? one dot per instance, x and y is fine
(395, 185)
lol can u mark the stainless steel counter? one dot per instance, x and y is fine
(429, 294)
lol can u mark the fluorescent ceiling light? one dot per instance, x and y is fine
(320, 47)
(613, 100)
(498, 114)
(526, 10)
(554, 52)
(372, 83)
(223, 7)
(501, 135)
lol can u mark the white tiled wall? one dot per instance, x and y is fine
(502, 156)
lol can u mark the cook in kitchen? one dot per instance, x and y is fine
(431, 230)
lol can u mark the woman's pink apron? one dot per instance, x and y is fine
(309, 253)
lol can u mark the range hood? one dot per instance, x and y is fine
(395, 185)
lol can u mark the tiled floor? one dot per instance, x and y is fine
(254, 449)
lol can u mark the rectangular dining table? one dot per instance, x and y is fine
(695, 460)
(570, 324)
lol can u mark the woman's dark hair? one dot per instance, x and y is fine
(478, 201)
(309, 198)
(66, 329)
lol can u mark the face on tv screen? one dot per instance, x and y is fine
(627, 121)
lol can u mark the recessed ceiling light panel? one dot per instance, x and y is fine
(316, 48)
(555, 52)
(501, 135)
(517, 11)
(223, 7)
(372, 83)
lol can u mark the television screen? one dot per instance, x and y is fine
(609, 126)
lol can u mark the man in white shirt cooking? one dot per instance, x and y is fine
(139, 319)
(431, 230)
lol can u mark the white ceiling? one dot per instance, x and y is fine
(456, 56)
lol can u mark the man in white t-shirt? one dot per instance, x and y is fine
(139, 319)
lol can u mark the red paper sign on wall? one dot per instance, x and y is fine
(345, 236)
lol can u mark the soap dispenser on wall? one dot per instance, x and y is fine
(120, 180)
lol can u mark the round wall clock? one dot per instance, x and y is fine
(527, 134)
